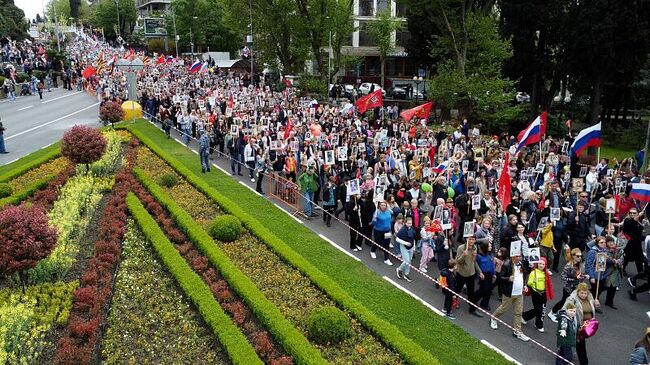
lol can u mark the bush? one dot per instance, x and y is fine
(82, 144)
(168, 180)
(111, 112)
(328, 325)
(226, 228)
(25, 238)
(5, 190)
(22, 77)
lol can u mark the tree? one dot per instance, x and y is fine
(74, 8)
(382, 30)
(25, 238)
(82, 144)
(64, 11)
(105, 17)
(341, 26)
(208, 30)
(111, 112)
(12, 21)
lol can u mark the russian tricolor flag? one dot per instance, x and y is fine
(441, 168)
(533, 133)
(588, 137)
(170, 59)
(204, 67)
(640, 192)
(196, 66)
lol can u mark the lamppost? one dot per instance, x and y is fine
(250, 40)
(117, 10)
(175, 33)
(418, 81)
(131, 69)
(192, 37)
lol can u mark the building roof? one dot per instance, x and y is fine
(238, 63)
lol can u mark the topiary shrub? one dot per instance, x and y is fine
(5, 190)
(82, 144)
(111, 112)
(226, 228)
(168, 180)
(328, 325)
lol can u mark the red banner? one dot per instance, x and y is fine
(420, 111)
(372, 100)
(504, 195)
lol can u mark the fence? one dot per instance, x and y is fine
(285, 190)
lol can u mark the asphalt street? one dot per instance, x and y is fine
(619, 329)
(32, 123)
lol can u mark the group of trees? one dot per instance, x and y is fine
(12, 20)
(480, 51)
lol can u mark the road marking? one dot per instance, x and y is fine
(50, 122)
(338, 247)
(27, 107)
(195, 151)
(290, 215)
(222, 170)
(434, 309)
(14, 160)
(61, 97)
(508, 357)
(648, 313)
(251, 189)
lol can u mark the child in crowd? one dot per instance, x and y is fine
(448, 280)
(566, 333)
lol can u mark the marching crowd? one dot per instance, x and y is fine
(448, 201)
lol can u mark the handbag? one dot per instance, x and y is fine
(588, 329)
(455, 302)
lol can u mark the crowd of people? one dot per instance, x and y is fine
(422, 195)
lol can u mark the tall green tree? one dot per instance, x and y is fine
(341, 26)
(382, 30)
(105, 16)
(12, 20)
(202, 21)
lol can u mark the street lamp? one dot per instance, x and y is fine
(131, 68)
(192, 37)
(417, 80)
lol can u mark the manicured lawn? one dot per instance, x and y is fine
(620, 152)
(417, 322)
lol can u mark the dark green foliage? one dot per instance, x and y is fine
(5, 190)
(328, 325)
(168, 180)
(226, 228)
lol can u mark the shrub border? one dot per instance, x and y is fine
(388, 333)
(21, 195)
(26, 163)
(239, 350)
(294, 342)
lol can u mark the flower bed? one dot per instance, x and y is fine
(231, 303)
(239, 350)
(25, 319)
(38, 173)
(150, 319)
(17, 168)
(284, 286)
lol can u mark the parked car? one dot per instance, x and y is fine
(522, 97)
(365, 88)
(398, 91)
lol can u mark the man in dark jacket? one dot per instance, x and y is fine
(511, 283)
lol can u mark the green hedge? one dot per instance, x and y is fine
(282, 330)
(19, 196)
(388, 333)
(239, 350)
(24, 164)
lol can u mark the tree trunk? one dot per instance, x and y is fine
(382, 61)
(595, 101)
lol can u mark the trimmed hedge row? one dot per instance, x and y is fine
(388, 333)
(24, 164)
(234, 342)
(282, 330)
(19, 196)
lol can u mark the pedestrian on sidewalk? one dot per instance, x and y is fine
(541, 290)
(406, 239)
(2, 139)
(448, 281)
(566, 334)
(308, 185)
(381, 221)
(468, 269)
(513, 279)
(260, 168)
(40, 88)
(204, 146)
(573, 274)
(586, 307)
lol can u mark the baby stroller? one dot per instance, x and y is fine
(24, 89)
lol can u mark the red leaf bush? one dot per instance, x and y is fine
(82, 144)
(25, 239)
(111, 112)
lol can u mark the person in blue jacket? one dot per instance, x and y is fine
(406, 239)
(381, 223)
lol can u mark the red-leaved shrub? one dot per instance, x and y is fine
(25, 239)
(111, 112)
(82, 144)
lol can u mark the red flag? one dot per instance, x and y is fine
(160, 59)
(420, 111)
(543, 123)
(504, 195)
(372, 100)
(287, 131)
(568, 124)
(88, 72)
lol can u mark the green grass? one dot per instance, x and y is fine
(442, 339)
(620, 152)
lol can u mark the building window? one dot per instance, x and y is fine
(402, 36)
(347, 41)
(400, 8)
(366, 8)
(382, 5)
(366, 39)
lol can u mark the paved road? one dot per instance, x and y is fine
(619, 329)
(33, 123)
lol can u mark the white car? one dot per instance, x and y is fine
(365, 87)
(522, 97)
